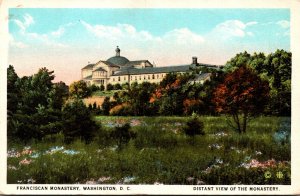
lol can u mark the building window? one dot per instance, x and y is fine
(119, 78)
(153, 76)
(113, 79)
(157, 76)
(140, 77)
(135, 77)
(148, 77)
(124, 77)
(113, 72)
(144, 77)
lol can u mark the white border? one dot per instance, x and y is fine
(293, 5)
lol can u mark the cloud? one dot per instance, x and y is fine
(116, 32)
(283, 24)
(25, 23)
(233, 28)
(183, 36)
(47, 39)
(251, 23)
(15, 43)
(127, 31)
(59, 32)
(28, 20)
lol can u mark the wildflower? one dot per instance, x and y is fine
(103, 179)
(200, 182)
(190, 179)
(11, 167)
(135, 122)
(13, 153)
(221, 134)
(158, 183)
(70, 152)
(129, 179)
(54, 149)
(31, 181)
(114, 148)
(254, 163)
(36, 155)
(219, 161)
(26, 151)
(216, 146)
(25, 162)
(177, 124)
(99, 150)
(92, 181)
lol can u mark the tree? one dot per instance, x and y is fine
(242, 95)
(106, 106)
(122, 135)
(58, 95)
(239, 60)
(79, 89)
(36, 112)
(277, 69)
(194, 126)
(77, 122)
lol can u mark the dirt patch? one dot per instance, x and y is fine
(91, 100)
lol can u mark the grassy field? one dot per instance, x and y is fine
(160, 154)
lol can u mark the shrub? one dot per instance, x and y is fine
(122, 135)
(194, 126)
(110, 87)
(102, 88)
(117, 86)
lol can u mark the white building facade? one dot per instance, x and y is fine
(119, 70)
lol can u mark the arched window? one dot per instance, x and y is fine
(153, 76)
(119, 78)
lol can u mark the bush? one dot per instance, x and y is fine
(194, 126)
(110, 87)
(117, 86)
(122, 135)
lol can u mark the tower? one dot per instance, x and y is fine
(118, 51)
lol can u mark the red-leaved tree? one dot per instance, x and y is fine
(242, 95)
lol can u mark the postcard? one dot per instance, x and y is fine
(150, 97)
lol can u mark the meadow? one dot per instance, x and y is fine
(160, 153)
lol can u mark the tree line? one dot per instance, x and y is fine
(249, 85)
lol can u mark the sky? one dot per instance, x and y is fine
(65, 40)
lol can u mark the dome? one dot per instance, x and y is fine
(118, 60)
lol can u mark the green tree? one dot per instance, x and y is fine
(278, 72)
(58, 95)
(79, 89)
(122, 135)
(239, 60)
(194, 126)
(106, 105)
(78, 122)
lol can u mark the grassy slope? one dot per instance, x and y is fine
(162, 153)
